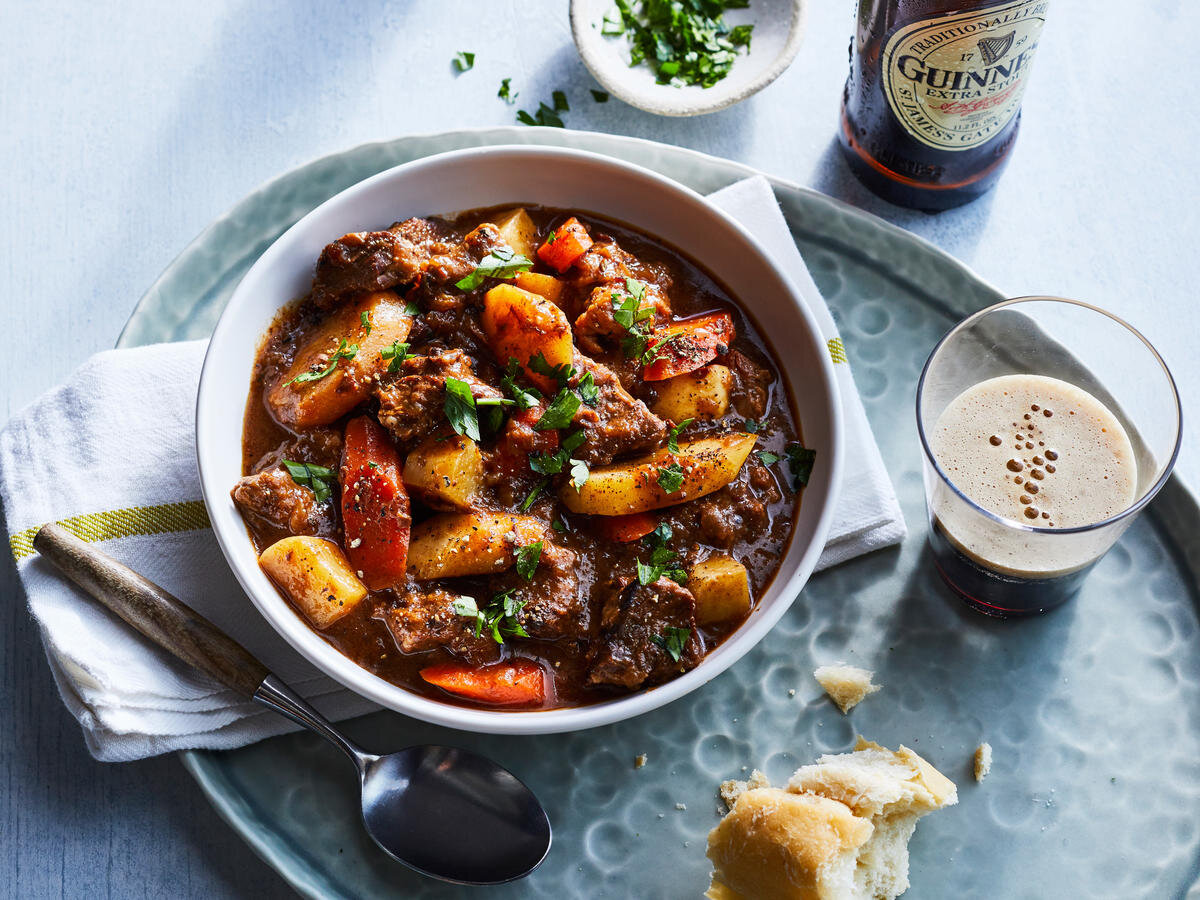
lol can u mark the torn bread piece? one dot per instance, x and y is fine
(838, 831)
(732, 789)
(846, 685)
(983, 761)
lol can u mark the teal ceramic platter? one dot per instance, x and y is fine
(1093, 710)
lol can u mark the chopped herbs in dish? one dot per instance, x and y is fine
(685, 42)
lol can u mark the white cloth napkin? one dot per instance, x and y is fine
(111, 452)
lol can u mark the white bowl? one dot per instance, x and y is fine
(778, 31)
(491, 176)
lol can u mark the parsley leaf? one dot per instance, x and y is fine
(506, 92)
(464, 61)
(397, 353)
(670, 478)
(629, 313)
(546, 115)
(673, 435)
(579, 474)
(767, 458)
(527, 398)
(527, 560)
(344, 351)
(552, 463)
(502, 262)
(800, 463)
(560, 102)
(662, 558)
(560, 412)
(588, 392)
(752, 426)
(533, 495)
(673, 640)
(559, 525)
(499, 617)
(366, 321)
(600, 96)
(320, 479)
(662, 533)
(411, 308)
(562, 373)
(460, 408)
(683, 43)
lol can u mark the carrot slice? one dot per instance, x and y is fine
(375, 510)
(688, 344)
(628, 528)
(566, 243)
(514, 682)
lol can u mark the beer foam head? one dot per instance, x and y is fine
(1036, 450)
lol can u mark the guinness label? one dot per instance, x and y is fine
(954, 81)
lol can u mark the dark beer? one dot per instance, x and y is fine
(933, 102)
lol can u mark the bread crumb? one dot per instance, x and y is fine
(732, 789)
(639, 760)
(681, 806)
(983, 761)
(846, 685)
(792, 692)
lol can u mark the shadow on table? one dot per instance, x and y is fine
(85, 826)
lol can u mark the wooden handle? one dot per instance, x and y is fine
(152, 611)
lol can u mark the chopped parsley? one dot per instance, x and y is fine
(526, 398)
(663, 560)
(673, 640)
(559, 525)
(800, 463)
(752, 426)
(464, 61)
(670, 477)
(411, 308)
(560, 102)
(684, 43)
(344, 351)
(533, 495)
(560, 412)
(527, 559)
(460, 408)
(552, 463)
(579, 474)
(318, 478)
(673, 435)
(502, 262)
(767, 458)
(562, 373)
(506, 93)
(545, 115)
(588, 392)
(629, 313)
(366, 321)
(599, 96)
(397, 353)
(499, 617)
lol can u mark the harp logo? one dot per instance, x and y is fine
(956, 82)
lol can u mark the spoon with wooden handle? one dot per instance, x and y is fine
(445, 812)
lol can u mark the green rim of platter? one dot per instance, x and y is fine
(1047, 813)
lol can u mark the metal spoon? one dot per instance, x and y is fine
(447, 813)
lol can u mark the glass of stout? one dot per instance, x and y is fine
(1047, 425)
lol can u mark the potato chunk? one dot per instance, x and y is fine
(520, 325)
(446, 474)
(315, 575)
(702, 394)
(518, 231)
(546, 285)
(304, 404)
(707, 464)
(473, 543)
(721, 586)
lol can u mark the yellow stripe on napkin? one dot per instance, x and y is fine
(118, 523)
(837, 350)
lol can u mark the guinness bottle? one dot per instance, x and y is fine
(933, 102)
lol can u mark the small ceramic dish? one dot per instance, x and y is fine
(493, 176)
(778, 31)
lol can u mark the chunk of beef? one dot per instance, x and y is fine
(365, 261)
(411, 406)
(553, 606)
(272, 498)
(738, 512)
(605, 263)
(751, 385)
(597, 330)
(619, 423)
(319, 446)
(424, 619)
(431, 235)
(635, 623)
(456, 261)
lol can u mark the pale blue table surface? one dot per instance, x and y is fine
(129, 126)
